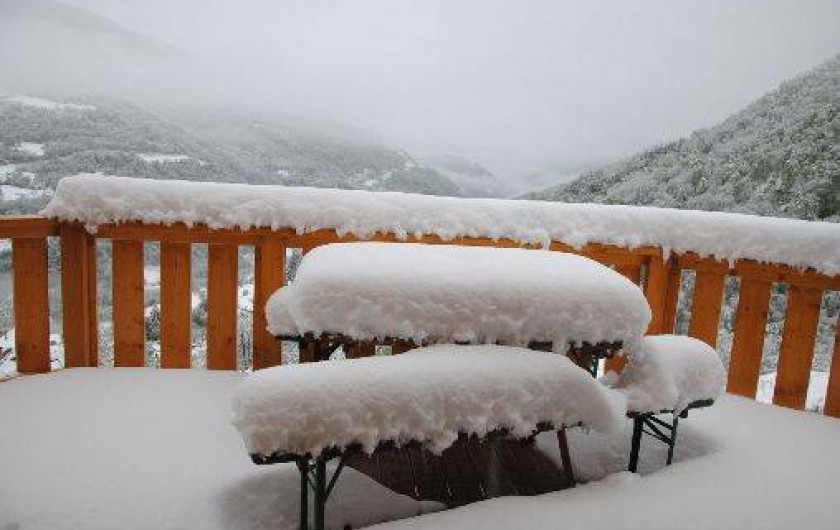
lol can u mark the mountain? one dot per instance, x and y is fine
(472, 178)
(42, 140)
(780, 156)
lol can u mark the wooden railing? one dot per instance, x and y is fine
(659, 275)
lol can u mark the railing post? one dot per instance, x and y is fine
(78, 296)
(31, 305)
(175, 305)
(128, 304)
(662, 289)
(709, 283)
(222, 280)
(797, 350)
(832, 397)
(269, 275)
(748, 337)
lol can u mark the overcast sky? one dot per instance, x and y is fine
(517, 85)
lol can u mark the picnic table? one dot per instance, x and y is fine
(362, 294)
(472, 318)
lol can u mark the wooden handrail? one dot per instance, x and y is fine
(659, 275)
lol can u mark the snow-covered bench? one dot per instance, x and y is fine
(425, 294)
(671, 375)
(312, 412)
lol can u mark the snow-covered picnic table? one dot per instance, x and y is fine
(345, 295)
(449, 293)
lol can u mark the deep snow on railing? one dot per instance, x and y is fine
(99, 199)
(651, 246)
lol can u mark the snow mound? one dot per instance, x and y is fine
(97, 199)
(428, 394)
(673, 372)
(450, 293)
(155, 158)
(45, 104)
(280, 321)
(31, 148)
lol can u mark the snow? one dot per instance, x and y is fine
(151, 275)
(817, 390)
(31, 148)
(145, 448)
(450, 293)
(280, 321)
(13, 193)
(673, 372)
(96, 199)
(428, 395)
(45, 104)
(160, 158)
(6, 171)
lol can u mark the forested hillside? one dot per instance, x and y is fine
(43, 140)
(780, 156)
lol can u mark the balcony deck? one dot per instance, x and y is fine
(144, 448)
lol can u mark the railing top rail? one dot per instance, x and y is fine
(100, 200)
(27, 226)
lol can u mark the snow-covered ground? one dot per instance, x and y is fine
(44, 104)
(6, 171)
(157, 158)
(31, 148)
(13, 193)
(143, 448)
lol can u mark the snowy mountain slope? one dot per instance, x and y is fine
(42, 140)
(474, 179)
(780, 156)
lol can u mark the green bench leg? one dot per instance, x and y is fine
(638, 427)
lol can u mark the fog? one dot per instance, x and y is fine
(519, 86)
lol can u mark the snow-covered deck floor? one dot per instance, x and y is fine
(136, 448)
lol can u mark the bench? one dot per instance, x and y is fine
(429, 397)
(671, 375)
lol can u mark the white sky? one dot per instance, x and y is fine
(518, 85)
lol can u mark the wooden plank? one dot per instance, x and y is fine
(361, 349)
(797, 351)
(175, 305)
(706, 305)
(786, 274)
(27, 227)
(631, 272)
(78, 296)
(832, 397)
(615, 363)
(661, 289)
(401, 346)
(269, 275)
(748, 337)
(128, 303)
(31, 305)
(222, 283)
(199, 233)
